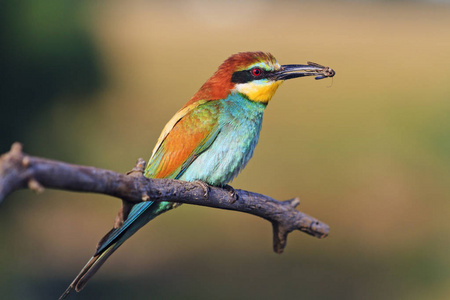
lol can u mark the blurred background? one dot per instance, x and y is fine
(367, 152)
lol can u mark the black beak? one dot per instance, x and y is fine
(311, 69)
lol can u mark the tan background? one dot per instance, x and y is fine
(367, 152)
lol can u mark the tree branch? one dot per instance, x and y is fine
(18, 170)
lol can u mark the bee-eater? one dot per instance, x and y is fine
(210, 139)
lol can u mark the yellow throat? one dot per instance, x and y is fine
(259, 91)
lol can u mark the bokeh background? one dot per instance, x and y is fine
(367, 152)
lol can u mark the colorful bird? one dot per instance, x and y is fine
(210, 139)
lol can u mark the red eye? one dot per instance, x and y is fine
(256, 72)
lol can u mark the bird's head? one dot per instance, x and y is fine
(256, 75)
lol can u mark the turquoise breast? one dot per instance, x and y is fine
(240, 123)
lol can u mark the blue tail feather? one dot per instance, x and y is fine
(137, 211)
(140, 215)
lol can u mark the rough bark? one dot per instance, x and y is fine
(19, 170)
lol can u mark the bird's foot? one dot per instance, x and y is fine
(232, 192)
(204, 186)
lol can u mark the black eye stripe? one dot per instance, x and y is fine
(247, 75)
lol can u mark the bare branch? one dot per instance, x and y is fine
(18, 170)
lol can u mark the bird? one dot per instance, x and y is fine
(209, 140)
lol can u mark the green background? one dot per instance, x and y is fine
(367, 152)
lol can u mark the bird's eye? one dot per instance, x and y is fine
(256, 72)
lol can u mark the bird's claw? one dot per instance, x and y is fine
(205, 188)
(232, 192)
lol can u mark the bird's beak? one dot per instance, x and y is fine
(311, 69)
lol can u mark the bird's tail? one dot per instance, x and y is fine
(89, 270)
(140, 215)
